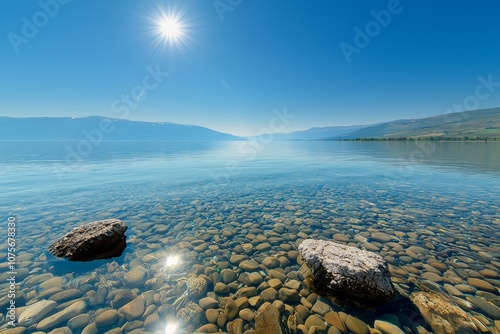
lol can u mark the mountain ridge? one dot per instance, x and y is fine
(466, 124)
(481, 123)
(77, 128)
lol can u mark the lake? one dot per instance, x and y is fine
(430, 209)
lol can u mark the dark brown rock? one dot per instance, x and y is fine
(97, 240)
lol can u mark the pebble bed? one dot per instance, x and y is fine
(237, 247)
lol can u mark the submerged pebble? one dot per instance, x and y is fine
(239, 267)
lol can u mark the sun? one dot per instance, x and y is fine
(170, 27)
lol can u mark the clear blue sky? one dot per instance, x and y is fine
(263, 55)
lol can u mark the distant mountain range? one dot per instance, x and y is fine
(318, 133)
(76, 128)
(472, 124)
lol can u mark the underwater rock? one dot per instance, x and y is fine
(347, 274)
(63, 316)
(443, 316)
(36, 312)
(196, 286)
(97, 240)
(267, 320)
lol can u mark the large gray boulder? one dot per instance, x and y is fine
(347, 274)
(97, 240)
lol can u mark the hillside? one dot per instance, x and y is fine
(472, 124)
(318, 133)
(72, 128)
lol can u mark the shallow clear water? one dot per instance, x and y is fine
(443, 197)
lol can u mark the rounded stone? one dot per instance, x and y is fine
(247, 314)
(212, 315)
(273, 273)
(289, 295)
(80, 321)
(248, 292)
(490, 309)
(482, 285)
(432, 277)
(228, 275)
(106, 318)
(90, 329)
(151, 320)
(292, 284)
(63, 316)
(136, 277)
(249, 265)
(255, 301)
(36, 312)
(208, 328)
(269, 295)
(315, 320)
(123, 298)
(133, 309)
(255, 278)
(321, 308)
(230, 309)
(65, 295)
(279, 305)
(333, 330)
(221, 288)
(387, 328)
(356, 325)
(452, 290)
(61, 330)
(271, 262)
(53, 282)
(275, 283)
(208, 303)
(466, 288)
(237, 258)
(263, 246)
(488, 273)
(333, 318)
(382, 237)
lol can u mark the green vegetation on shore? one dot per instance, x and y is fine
(472, 125)
(434, 138)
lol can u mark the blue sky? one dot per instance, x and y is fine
(244, 58)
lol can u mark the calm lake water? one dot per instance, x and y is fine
(205, 201)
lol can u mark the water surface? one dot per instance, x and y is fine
(442, 197)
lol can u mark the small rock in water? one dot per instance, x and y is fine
(106, 318)
(97, 240)
(343, 272)
(196, 286)
(356, 325)
(491, 310)
(136, 277)
(208, 303)
(36, 312)
(441, 315)
(387, 328)
(79, 321)
(267, 320)
(61, 317)
(134, 309)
